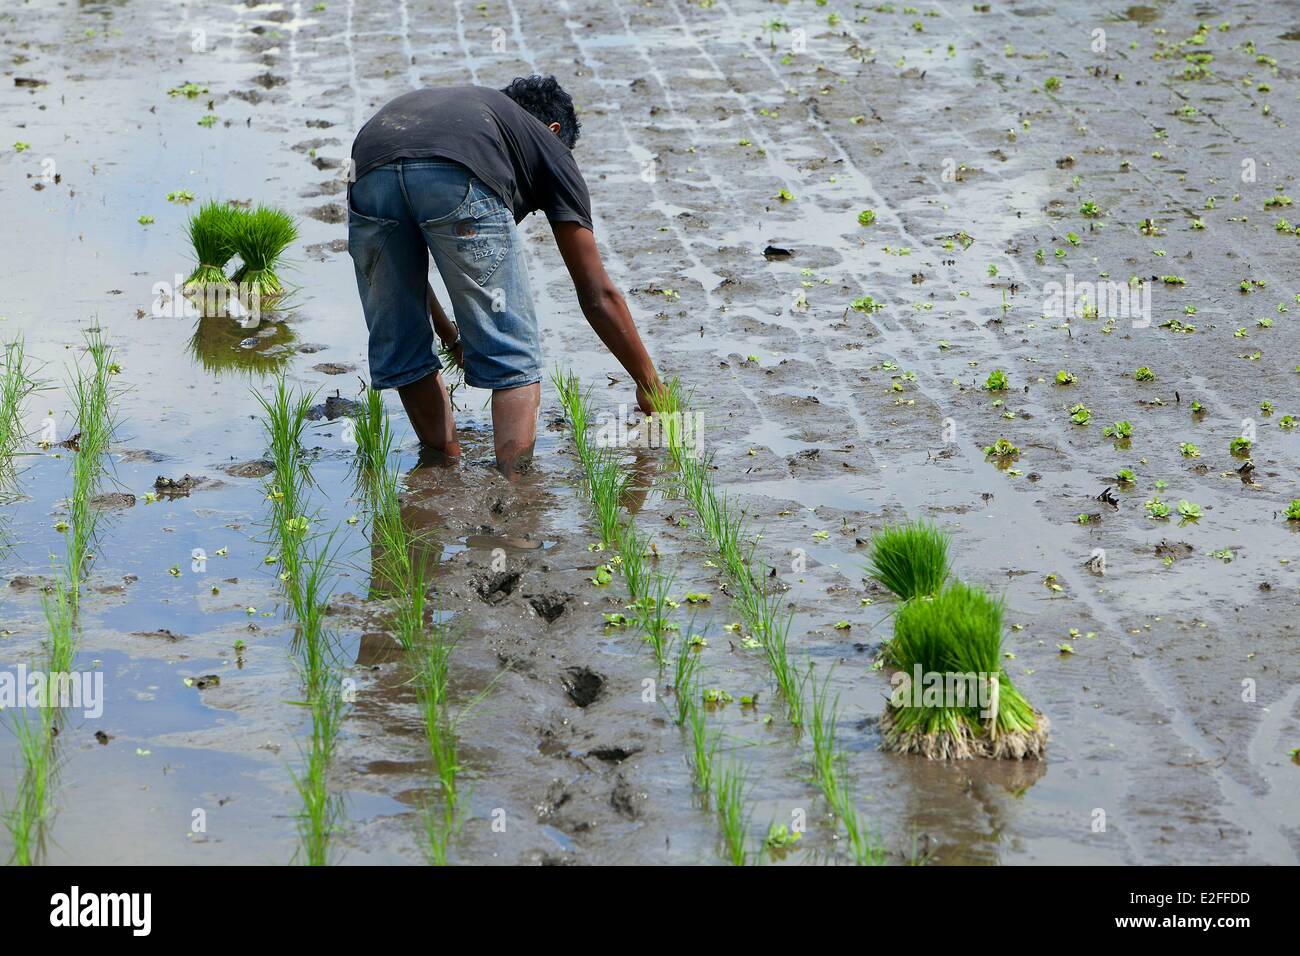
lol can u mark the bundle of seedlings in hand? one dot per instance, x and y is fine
(260, 238)
(211, 232)
(911, 559)
(952, 699)
(453, 376)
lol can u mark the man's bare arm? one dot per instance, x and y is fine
(604, 307)
(446, 329)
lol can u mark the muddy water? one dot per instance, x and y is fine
(562, 749)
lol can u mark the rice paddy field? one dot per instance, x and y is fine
(983, 324)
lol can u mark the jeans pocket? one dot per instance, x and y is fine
(367, 237)
(478, 239)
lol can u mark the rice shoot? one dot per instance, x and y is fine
(260, 238)
(211, 232)
(910, 560)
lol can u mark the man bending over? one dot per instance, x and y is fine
(448, 172)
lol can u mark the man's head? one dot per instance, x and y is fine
(545, 98)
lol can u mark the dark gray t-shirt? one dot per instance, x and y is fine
(500, 142)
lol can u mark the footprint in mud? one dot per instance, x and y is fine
(495, 588)
(583, 685)
(613, 754)
(550, 605)
(625, 800)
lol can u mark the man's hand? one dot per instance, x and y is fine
(645, 396)
(457, 351)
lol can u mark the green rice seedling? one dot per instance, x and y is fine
(284, 423)
(774, 636)
(685, 681)
(211, 230)
(652, 610)
(373, 432)
(953, 644)
(724, 527)
(863, 844)
(632, 547)
(910, 560)
(607, 481)
(733, 816)
(16, 384)
(428, 649)
(441, 816)
(27, 816)
(305, 565)
(321, 810)
(93, 396)
(704, 746)
(577, 407)
(260, 238)
(26, 819)
(822, 726)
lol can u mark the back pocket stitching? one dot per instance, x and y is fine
(368, 268)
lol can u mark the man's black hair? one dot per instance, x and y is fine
(545, 98)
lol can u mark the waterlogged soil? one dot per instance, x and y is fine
(1176, 706)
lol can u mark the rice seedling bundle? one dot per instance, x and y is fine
(956, 701)
(911, 559)
(211, 231)
(259, 238)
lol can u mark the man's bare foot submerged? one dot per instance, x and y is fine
(513, 156)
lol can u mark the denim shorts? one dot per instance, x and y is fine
(399, 214)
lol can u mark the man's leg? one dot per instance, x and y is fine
(428, 406)
(514, 426)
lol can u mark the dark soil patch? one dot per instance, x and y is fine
(497, 587)
(549, 606)
(583, 685)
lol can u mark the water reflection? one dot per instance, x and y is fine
(220, 344)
